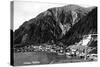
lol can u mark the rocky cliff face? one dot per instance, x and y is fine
(65, 24)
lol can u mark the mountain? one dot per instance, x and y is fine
(87, 25)
(65, 24)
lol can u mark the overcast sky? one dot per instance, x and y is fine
(23, 11)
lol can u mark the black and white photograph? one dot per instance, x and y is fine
(53, 33)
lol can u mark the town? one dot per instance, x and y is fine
(78, 50)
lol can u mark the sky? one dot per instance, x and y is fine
(24, 11)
